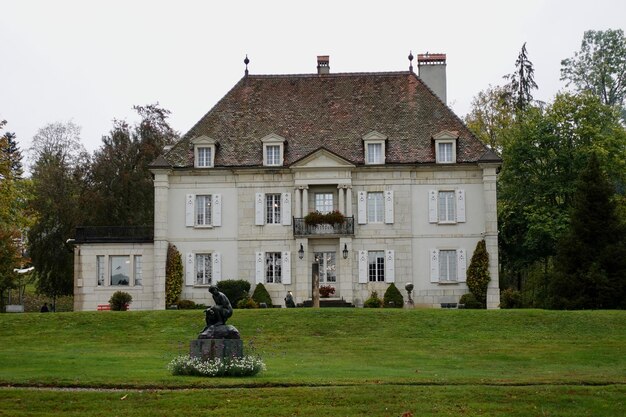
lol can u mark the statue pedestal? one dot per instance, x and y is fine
(206, 349)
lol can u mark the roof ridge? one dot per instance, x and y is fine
(331, 75)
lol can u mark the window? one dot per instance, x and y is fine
(272, 208)
(374, 153)
(447, 265)
(444, 152)
(204, 151)
(375, 207)
(447, 207)
(138, 270)
(272, 155)
(203, 210)
(376, 266)
(119, 267)
(100, 270)
(204, 272)
(273, 268)
(328, 266)
(324, 202)
(204, 157)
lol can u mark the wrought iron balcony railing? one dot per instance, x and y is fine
(345, 228)
(114, 234)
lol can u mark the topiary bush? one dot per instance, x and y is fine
(173, 275)
(260, 295)
(470, 301)
(393, 298)
(510, 298)
(374, 301)
(120, 300)
(234, 289)
(478, 273)
(247, 302)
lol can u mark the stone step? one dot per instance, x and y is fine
(324, 302)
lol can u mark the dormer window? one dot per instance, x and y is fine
(445, 147)
(374, 145)
(273, 150)
(203, 151)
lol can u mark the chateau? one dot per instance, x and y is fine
(415, 189)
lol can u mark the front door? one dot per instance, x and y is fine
(328, 268)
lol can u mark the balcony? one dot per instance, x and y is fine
(114, 234)
(345, 228)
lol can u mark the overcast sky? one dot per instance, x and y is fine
(91, 62)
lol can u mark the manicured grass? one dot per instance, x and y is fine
(333, 361)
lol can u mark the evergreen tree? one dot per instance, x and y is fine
(590, 266)
(478, 273)
(10, 153)
(522, 81)
(173, 275)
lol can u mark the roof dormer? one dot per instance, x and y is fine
(445, 146)
(374, 148)
(273, 150)
(203, 151)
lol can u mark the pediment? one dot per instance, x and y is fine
(446, 134)
(203, 140)
(374, 135)
(322, 158)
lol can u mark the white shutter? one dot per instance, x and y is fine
(259, 267)
(286, 267)
(259, 204)
(434, 265)
(362, 267)
(217, 267)
(285, 207)
(432, 206)
(217, 209)
(189, 269)
(190, 202)
(389, 207)
(460, 206)
(362, 207)
(390, 269)
(461, 265)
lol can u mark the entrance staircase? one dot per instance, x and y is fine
(327, 302)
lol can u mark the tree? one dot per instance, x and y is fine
(11, 154)
(599, 66)
(478, 273)
(522, 81)
(58, 179)
(173, 275)
(590, 266)
(490, 115)
(121, 190)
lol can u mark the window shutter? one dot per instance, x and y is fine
(189, 269)
(434, 265)
(259, 267)
(390, 269)
(286, 267)
(362, 267)
(217, 209)
(285, 207)
(461, 265)
(432, 206)
(389, 207)
(190, 202)
(460, 206)
(259, 203)
(362, 207)
(217, 267)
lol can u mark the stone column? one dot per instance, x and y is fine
(161, 191)
(298, 202)
(491, 232)
(348, 201)
(305, 200)
(341, 205)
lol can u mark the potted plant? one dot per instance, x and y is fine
(326, 291)
(316, 218)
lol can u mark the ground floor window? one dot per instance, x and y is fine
(119, 270)
(328, 266)
(100, 270)
(204, 272)
(273, 267)
(376, 266)
(138, 270)
(447, 265)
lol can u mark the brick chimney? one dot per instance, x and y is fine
(432, 71)
(323, 66)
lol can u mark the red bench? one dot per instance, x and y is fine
(104, 307)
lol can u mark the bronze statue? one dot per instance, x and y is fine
(216, 316)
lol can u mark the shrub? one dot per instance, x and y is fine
(234, 289)
(470, 301)
(393, 298)
(334, 217)
(186, 305)
(510, 298)
(173, 275)
(246, 366)
(315, 218)
(326, 290)
(119, 301)
(373, 301)
(260, 295)
(247, 302)
(478, 273)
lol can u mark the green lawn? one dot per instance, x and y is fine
(323, 362)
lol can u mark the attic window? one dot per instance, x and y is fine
(445, 147)
(273, 150)
(203, 152)
(374, 146)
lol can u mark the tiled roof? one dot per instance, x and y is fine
(333, 111)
